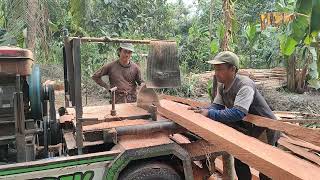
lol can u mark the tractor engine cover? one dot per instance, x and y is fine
(15, 60)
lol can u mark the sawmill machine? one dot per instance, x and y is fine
(116, 141)
(27, 108)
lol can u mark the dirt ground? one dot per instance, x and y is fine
(278, 99)
(92, 94)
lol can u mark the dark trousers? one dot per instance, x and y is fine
(243, 171)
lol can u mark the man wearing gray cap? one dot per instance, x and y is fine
(237, 96)
(123, 74)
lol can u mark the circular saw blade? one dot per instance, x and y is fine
(147, 97)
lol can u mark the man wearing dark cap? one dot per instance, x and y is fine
(237, 96)
(123, 74)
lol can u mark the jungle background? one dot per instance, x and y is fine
(201, 29)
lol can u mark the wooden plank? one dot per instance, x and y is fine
(185, 101)
(301, 143)
(113, 124)
(143, 141)
(300, 151)
(124, 111)
(300, 120)
(265, 158)
(309, 135)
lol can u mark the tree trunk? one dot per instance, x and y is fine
(210, 19)
(291, 73)
(31, 20)
(228, 13)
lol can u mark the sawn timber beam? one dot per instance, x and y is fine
(310, 135)
(265, 158)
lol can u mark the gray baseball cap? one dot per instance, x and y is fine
(226, 57)
(127, 46)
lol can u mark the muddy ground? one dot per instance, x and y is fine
(278, 99)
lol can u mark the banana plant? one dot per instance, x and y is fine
(302, 31)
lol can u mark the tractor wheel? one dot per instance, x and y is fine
(150, 171)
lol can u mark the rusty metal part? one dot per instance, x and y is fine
(165, 126)
(19, 122)
(147, 97)
(15, 60)
(112, 134)
(15, 53)
(113, 100)
(163, 65)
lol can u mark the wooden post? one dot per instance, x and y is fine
(228, 164)
(78, 97)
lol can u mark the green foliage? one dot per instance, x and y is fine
(314, 69)
(159, 19)
(251, 32)
(302, 32)
(210, 89)
(214, 46)
(315, 17)
(287, 45)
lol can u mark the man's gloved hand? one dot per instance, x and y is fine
(204, 112)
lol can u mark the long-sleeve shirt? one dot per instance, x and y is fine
(219, 112)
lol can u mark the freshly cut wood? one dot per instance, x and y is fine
(102, 113)
(300, 120)
(113, 124)
(186, 101)
(300, 143)
(300, 151)
(265, 158)
(296, 115)
(309, 135)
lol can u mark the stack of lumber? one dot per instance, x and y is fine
(297, 117)
(264, 78)
(267, 78)
(300, 148)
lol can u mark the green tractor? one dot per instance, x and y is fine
(113, 141)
